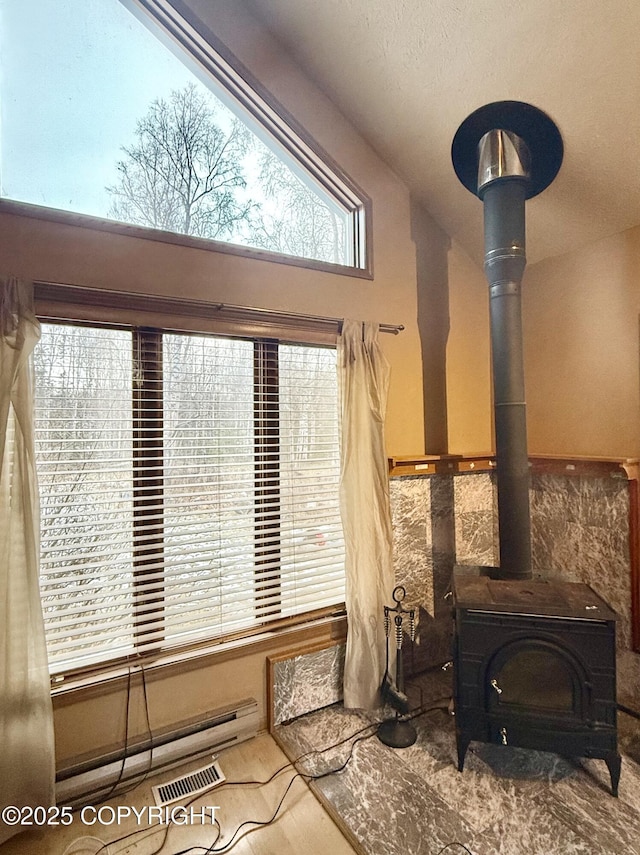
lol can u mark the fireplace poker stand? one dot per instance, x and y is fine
(397, 732)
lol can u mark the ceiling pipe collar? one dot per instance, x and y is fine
(531, 126)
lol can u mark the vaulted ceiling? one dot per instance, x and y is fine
(408, 72)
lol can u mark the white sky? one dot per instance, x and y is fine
(70, 100)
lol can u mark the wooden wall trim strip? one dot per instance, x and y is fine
(455, 464)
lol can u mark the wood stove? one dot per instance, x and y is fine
(535, 668)
(534, 661)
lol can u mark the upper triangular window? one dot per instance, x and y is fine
(123, 110)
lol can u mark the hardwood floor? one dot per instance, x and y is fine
(302, 824)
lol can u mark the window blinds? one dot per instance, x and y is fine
(189, 487)
(83, 458)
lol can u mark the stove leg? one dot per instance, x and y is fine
(462, 743)
(614, 762)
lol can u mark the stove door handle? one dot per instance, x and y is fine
(495, 685)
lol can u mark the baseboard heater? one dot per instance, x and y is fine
(92, 780)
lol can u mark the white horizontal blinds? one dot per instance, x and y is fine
(189, 487)
(209, 485)
(84, 462)
(312, 547)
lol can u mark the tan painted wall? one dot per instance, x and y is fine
(432, 282)
(580, 325)
(469, 403)
(56, 252)
(580, 320)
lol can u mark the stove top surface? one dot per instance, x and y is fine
(546, 597)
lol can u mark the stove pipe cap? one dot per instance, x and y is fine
(525, 144)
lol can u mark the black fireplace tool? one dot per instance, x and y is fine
(397, 732)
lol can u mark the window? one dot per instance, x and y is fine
(189, 487)
(125, 112)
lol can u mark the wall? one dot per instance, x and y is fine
(93, 721)
(582, 371)
(69, 253)
(469, 402)
(432, 269)
(580, 317)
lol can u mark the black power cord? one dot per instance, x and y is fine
(212, 850)
(628, 711)
(125, 749)
(257, 824)
(454, 843)
(307, 777)
(125, 756)
(144, 775)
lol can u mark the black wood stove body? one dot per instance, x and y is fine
(535, 668)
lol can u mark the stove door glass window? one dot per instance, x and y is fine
(535, 678)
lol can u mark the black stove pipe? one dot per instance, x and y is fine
(504, 231)
(505, 153)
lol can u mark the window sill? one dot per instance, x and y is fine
(107, 679)
(86, 221)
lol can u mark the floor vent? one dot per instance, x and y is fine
(188, 785)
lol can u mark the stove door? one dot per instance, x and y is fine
(535, 678)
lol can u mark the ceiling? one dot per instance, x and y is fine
(408, 72)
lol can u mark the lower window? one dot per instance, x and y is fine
(188, 488)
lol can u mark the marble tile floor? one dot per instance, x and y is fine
(507, 801)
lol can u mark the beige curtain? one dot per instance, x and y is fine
(26, 723)
(363, 379)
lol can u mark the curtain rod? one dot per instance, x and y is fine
(294, 316)
(57, 293)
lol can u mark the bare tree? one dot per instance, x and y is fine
(183, 170)
(304, 225)
(184, 173)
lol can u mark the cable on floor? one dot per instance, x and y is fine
(211, 850)
(454, 843)
(151, 830)
(305, 776)
(628, 711)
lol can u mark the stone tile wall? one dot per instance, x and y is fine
(579, 531)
